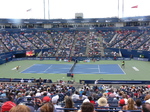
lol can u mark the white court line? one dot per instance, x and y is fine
(121, 68)
(27, 68)
(49, 73)
(31, 71)
(48, 68)
(99, 69)
(135, 69)
(94, 72)
(91, 68)
(65, 68)
(87, 73)
(79, 72)
(86, 68)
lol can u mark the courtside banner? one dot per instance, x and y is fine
(141, 59)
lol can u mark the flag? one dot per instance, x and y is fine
(136, 6)
(29, 10)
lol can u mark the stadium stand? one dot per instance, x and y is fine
(66, 44)
(103, 95)
(76, 43)
(98, 38)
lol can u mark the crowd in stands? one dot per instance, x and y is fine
(23, 42)
(36, 41)
(40, 97)
(112, 54)
(75, 43)
(48, 53)
(94, 44)
(44, 37)
(132, 40)
(10, 43)
(66, 44)
(80, 44)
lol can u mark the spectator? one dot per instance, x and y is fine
(38, 93)
(125, 97)
(102, 102)
(75, 96)
(121, 103)
(19, 98)
(47, 107)
(46, 99)
(147, 97)
(29, 102)
(146, 107)
(54, 101)
(3, 94)
(138, 104)
(86, 100)
(22, 81)
(29, 81)
(8, 105)
(20, 108)
(87, 107)
(37, 103)
(69, 104)
(91, 100)
(105, 95)
(130, 105)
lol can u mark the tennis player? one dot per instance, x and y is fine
(123, 64)
(17, 67)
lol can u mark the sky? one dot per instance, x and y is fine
(66, 9)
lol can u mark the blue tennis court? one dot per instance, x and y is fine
(98, 69)
(78, 69)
